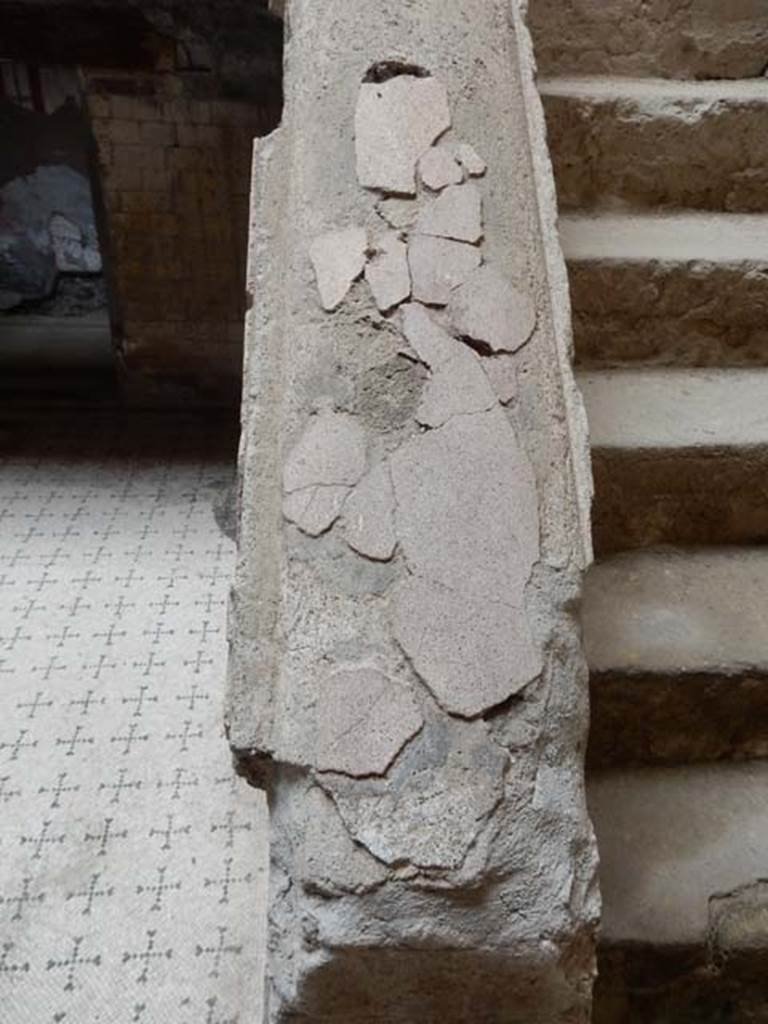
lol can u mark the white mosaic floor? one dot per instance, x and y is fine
(131, 856)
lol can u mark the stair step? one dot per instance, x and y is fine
(632, 37)
(670, 839)
(683, 289)
(677, 645)
(682, 868)
(679, 456)
(656, 142)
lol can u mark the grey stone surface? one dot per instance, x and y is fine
(692, 39)
(657, 143)
(431, 856)
(676, 647)
(679, 457)
(673, 289)
(659, 881)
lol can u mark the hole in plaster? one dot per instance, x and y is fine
(383, 70)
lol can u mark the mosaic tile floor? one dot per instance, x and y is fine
(131, 856)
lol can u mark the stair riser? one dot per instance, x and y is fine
(688, 497)
(649, 719)
(669, 314)
(694, 154)
(663, 39)
(646, 984)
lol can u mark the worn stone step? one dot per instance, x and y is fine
(679, 456)
(683, 856)
(683, 289)
(677, 645)
(699, 39)
(655, 142)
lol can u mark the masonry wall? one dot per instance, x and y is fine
(175, 178)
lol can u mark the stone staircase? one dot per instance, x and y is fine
(658, 123)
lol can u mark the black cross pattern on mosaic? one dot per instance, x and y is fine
(22, 899)
(115, 778)
(73, 964)
(148, 958)
(219, 951)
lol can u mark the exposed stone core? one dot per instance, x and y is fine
(406, 676)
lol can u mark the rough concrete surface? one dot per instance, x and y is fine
(681, 289)
(637, 143)
(406, 677)
(667, 38)
(675, 642)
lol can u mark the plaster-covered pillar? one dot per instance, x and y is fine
(406, 676)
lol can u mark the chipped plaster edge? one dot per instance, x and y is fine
(249, 709)
(557, 278)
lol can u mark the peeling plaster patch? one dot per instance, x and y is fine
(398, 213)
(460, 614)
(339, 259)
(472, 163)
(427, 339)
(432, 820)
(330, 862)
(368, 522)
(458, 384)
(395, 123)
(387, 272)
(364, 719)
(491, 310)
(456, 213)
(438, 265)
(502, 373)
(439, 168)
(328, 460)
(315, 509)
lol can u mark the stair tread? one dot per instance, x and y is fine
(674, 238)
(616, 87)
(678, 611)
(674, 408)
(669, 840)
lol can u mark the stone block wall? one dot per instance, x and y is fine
(175, 178)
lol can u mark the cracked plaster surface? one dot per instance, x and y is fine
(328, 460)
(430, 813)
(387, 272)
(363, 720)
(470, 548)
(490, 309)
(439, 168)
(368, 522)
(339, 259)
(395, 123)
(439, 265)
(456, 213)
(470, 160)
